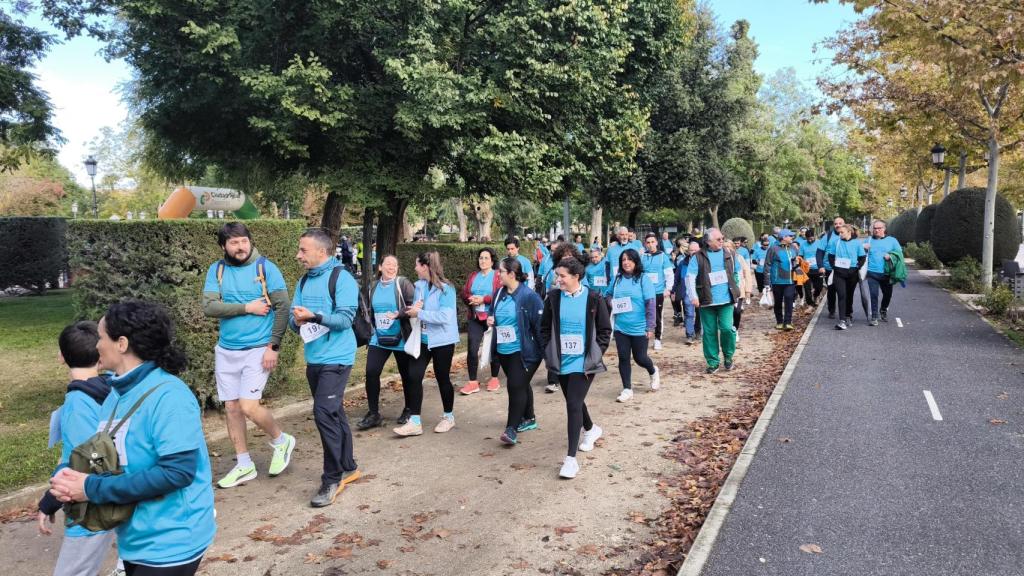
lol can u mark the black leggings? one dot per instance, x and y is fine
(677, 309)
(625, 344)
(180, 570)
(784, 295)
(475, 330)
(737, 313)
(517, 382)
(375, 359)
(759, 278)
(442, 357)
(659, 305)
(575, 387)
(845, 282)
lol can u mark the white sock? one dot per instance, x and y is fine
(243, 459)
(279, 440)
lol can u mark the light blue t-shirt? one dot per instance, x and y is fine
(879, 248)
(338, 346)
(719, 292)
(179, 526)
(742, 251)
(828, 244)
(654, 268)
(759, 255)
(79, 421)
(572, 321)
(809, 251)
(615, 251)
(505, 317)
(666, 246)
(637, 290)
(597, 276)
(527, 266)
(483, 285)
(241, 286)
(383, 303)
(581, 248)
(847, 249)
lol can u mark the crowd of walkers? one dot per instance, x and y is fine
(564, 308)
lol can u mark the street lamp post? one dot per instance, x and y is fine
(74, 210)
(903, 193)
(939, 161)
(90, 167)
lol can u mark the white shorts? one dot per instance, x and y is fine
(240, 373)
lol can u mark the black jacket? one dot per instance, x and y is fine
(598, 332)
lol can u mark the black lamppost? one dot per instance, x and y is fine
(939, 161)
(90, 167)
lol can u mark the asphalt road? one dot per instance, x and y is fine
(855, 463)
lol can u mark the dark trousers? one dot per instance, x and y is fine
(327, 383)
(812, 288)
(375, 359)
(677, 309)
(784, 295)
(845, 283)
(878, 281)
(517, 382)
(442, 357)
(475, 333)
(659, 306)
(637, 345)
(759, 278)
(575, 387)
(831, 295)
(737, 313)
(180, 570)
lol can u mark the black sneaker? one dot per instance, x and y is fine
(711, 370)
(728, 364)
(689, 340)
(885, 315)
(325, 496)
(676, 321)
(371, 420)
(404, 417)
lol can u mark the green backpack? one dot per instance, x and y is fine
(98, 455)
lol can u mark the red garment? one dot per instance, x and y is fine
(467, 291)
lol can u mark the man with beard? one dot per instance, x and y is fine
(241, 290)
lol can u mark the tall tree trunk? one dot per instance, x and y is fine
(334, 212)
(390, 227)
(366, 255)
(988, 240)
(484, 217)
(460, 214)
(713, 212)
(961, 175)
(596, 214)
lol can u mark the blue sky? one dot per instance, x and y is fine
(84, 87)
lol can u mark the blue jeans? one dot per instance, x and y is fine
(692, 319)
(878, 281)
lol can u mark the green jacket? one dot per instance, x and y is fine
(896, 268)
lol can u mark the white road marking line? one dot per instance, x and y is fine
(899, 322)
(932, 405)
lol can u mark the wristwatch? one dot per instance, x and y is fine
(275, 347)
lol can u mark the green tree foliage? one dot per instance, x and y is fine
(957, 227)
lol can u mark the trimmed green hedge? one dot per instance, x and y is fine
(736, 227)
(166, 261)
(903, 226)
(923, 227)
(32, 252)
(957, 228)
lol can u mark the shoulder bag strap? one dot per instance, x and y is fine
(131, 410)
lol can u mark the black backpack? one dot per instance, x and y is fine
(362, 326)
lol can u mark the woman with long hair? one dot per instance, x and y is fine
(515, 317)
(161, 447)
(575, 331)
(434, 306)
(633, 306)
(846, 257)
(389, 294)
(477, 294)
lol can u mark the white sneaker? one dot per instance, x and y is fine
(589, 437)
(569, 468)
(626, 395)
(657, 344)
(551, 388)
(737, 336)
(656, 379)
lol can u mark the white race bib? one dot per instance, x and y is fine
(653, 277)
(311, 331)
(382, 321)
(719, 277)
(842, 262)
(622, 305)
(572, 344)
(506, 334)
(482, 308)
(122, 433)
(600, 281)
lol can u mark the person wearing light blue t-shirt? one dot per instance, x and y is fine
(242, 290)
(324, 321)
(598, 272)
(161, 448)
(658, 268)
(512, 246)
(879, 248)
(809, 252)
(621, 244)
(757, 261)
(846, 256)
(779, 265)
(826, 245)
(633, 308)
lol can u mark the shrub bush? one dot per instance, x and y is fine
(923, 255)
(735, 227)
(33, 254)
(964, 276)
(903, 226)
(923, 226)
(957, 228)
(166, 261)
(998, 301)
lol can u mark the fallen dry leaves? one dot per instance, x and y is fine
(811, 548)
(265, 533)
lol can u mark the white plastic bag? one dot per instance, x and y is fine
(412, 343)
(485, 347)
(766, 298)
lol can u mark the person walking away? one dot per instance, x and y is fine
(825, 247)
(809, 252)
(757, 261)
(633, 305)
(435, 307)
(692, 316)
(846, 256)
(477, 293)
(779, 265)
(658, 266)
(389, 294)
(880, 248)
(325, 304)
(516, 318)
(241, 291)
(165, 467)
(713, 288)
(575, 332)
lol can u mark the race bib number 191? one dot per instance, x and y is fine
(311, 331)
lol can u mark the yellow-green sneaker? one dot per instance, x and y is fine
(282, 455)
(237, 475)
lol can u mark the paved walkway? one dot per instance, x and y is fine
(856, 462)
